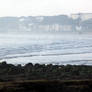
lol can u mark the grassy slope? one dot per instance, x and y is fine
(47, 86)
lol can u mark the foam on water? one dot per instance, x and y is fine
(59, 49)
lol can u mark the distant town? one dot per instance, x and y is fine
(81, 22)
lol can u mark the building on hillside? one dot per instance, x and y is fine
(83, 16)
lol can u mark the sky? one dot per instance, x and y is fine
(43, 7)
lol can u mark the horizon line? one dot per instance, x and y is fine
(46, 15)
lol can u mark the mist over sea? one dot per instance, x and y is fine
(46, 48)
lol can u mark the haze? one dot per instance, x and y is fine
(43, 7)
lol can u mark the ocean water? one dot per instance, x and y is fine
(75, 49)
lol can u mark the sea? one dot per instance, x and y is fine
(73, 49)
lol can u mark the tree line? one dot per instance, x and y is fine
(10, 72)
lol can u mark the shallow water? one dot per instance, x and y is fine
(59, 49)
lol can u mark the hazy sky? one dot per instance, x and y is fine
(43, 7)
